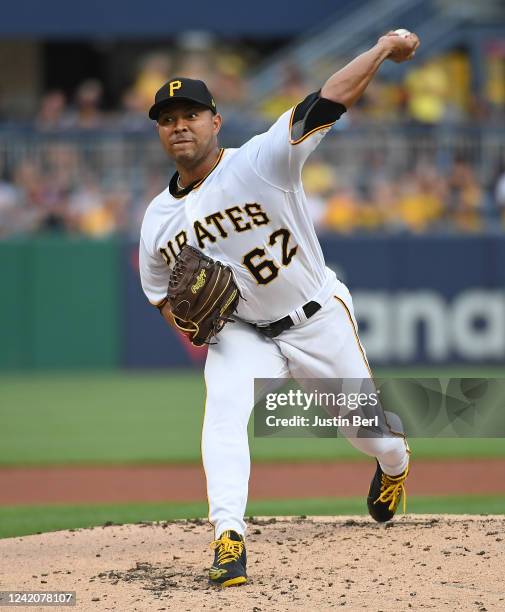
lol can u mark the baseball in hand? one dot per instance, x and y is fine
(400, 50)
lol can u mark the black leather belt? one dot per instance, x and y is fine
(277, 327)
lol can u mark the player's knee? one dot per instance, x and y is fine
(390, 450)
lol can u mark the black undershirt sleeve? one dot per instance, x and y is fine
(312, 114)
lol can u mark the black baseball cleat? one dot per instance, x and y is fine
(230, 560)
(385, 494)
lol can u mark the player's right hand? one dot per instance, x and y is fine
(401, 48)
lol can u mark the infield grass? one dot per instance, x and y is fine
(132, 417)
(24, 520)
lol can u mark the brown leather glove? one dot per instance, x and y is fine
(202, 295)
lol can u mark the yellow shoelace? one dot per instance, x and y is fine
(228, 550)
(392, 487)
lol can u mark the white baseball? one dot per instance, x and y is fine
(402, 32)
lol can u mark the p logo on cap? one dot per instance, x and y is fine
(173, 86)
(192, 90)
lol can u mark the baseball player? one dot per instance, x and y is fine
(246, 208)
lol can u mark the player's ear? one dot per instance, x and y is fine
(217, 121)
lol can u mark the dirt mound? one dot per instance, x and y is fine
(317, 563)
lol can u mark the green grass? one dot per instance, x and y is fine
(101, 418)
(23, 520)
(131, 417)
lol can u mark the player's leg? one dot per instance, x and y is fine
(239, 356)
(328, 346)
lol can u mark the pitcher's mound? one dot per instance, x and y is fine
(315, 563)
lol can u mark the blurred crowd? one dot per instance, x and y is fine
(55, 178)
(223, 70)
(439, 91)
(60, 193)
(418, 200)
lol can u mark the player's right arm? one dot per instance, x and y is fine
(277, 156)
(348, 84)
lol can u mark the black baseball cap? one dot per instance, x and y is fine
(181, 88)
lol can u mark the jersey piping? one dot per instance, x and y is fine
(192, 186)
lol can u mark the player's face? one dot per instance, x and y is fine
(188, 132)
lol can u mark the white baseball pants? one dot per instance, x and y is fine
(324, 346)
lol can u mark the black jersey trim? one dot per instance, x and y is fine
(180, 193)
(311, 115)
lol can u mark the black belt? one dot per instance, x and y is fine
(277, 327)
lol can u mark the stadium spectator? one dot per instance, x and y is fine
(154, 71)
(342, 211)
(87, 113)
(499, 193)
(229, 80)
(384, 196)
(197, 63)
(319, 182)
(132, 116)
(292, 88)
(51, 114)
(420, 203)
(427, 89)
(465, 198)
(42, 207)
(89, 212)
(9, 209)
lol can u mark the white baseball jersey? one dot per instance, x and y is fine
(249, 212)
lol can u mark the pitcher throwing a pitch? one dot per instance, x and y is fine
(231, 238)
